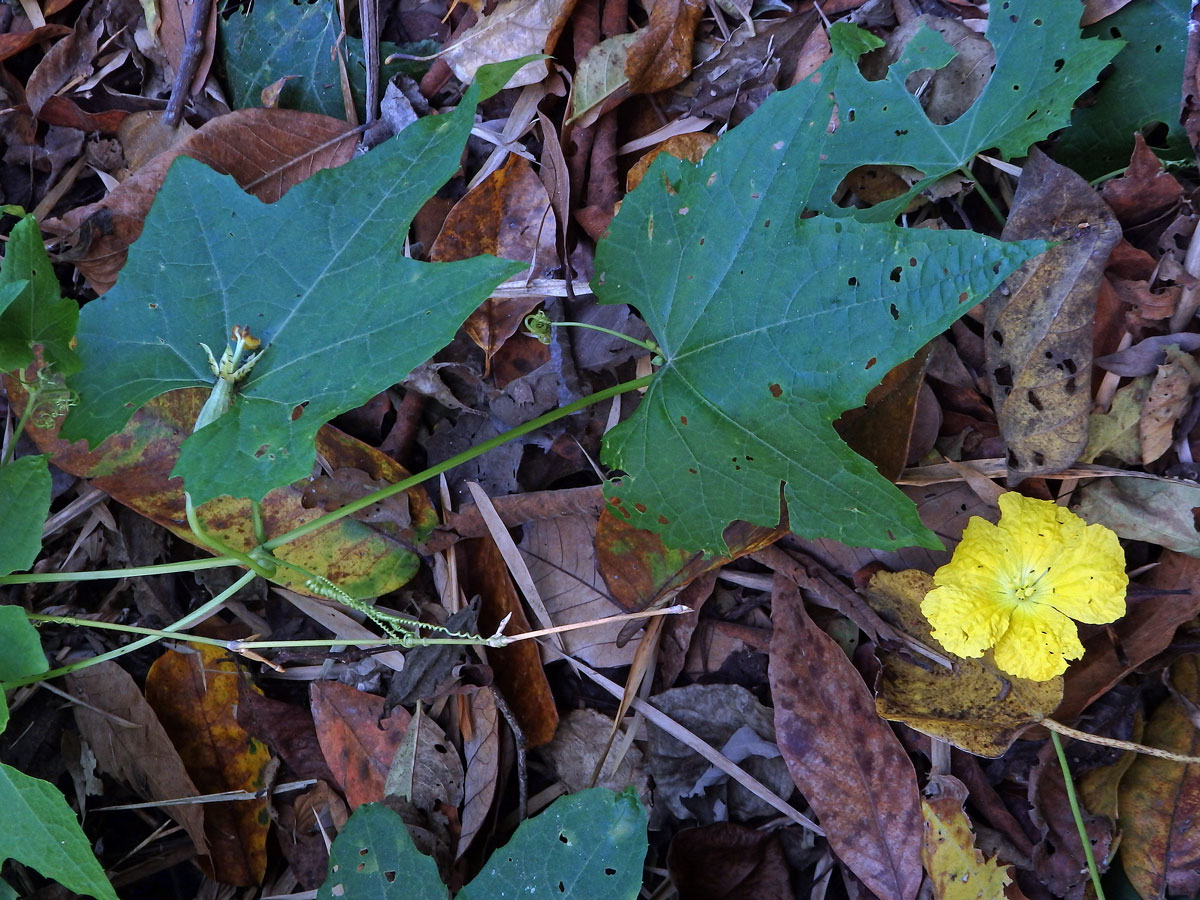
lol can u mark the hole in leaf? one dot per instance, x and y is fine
(608, 870)
(1058, 64)
(895, 276)
(1034, 401)
(998, 338)
(1003, 376)
(870, 362)
(852, 281)
(563, 839)
(1070, 366)
(1113, 31)
(895, 312)
(1012, 460)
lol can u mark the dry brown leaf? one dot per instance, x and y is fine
(266, 150)
(508, 215)
(1038, 327)
(844, 758)
(359, 743)
(69, 58)
(661, 57)
(1169, 397)
(142, 757)
(515, 28)
(481, 750)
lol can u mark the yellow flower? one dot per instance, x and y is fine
(1016, 585)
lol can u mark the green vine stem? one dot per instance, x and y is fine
(198, 615)
(1075, 812)
(261, 562)
(466, 456)
(232, 558)
(195, 565)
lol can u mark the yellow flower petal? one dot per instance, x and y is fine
(964, 622)
(1014, 584)
(1038, 643)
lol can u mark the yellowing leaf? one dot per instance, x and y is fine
(956, 869)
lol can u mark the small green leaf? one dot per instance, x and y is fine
(1144, 87)
(373, 858)
(772, 326)
(25, 499)
(586, 846)
(1042, 66)
(38, 314)
(41, 831)
(23, 653)
(319, 277)
(275, 40)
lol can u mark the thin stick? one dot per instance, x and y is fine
(189, 62)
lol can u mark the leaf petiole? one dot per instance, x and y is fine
(539, 325)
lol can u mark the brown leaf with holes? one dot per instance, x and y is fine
(1038, 328)
(843, 757)
(358, 742)
(267, 151)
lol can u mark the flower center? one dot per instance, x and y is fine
(1027, 588)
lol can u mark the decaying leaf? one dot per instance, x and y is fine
(975, 706)
(1168, 398)
(1160, 799)
(845, 759)
(1038, 330)
(194, 694)
(515, 28)
(956, 868)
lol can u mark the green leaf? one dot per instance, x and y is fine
(22, 646)
(279, 39)
(1143, 87)
(772, 326)
(37, 314)
(25, 499)
(586, 846)
(373, 858)
(320, 277)
(1042, 66)
(41, 831)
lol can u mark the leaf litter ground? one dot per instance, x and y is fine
(740, 307)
